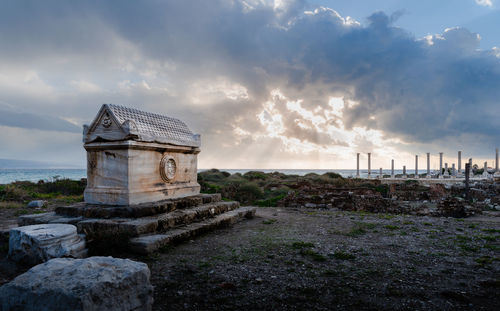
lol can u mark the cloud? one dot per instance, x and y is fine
(36, 121)
(488, 3)
(217, 65)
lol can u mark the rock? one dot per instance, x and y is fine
(38, 243)
(95, 283)
(37, 204)
(455, 207)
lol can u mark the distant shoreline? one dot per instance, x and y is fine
(9, 175)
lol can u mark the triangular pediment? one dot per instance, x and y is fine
(106, 126)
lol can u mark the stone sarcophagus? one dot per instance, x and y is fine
(138, 157)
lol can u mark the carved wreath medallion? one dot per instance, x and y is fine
(106, 122)
(168, 168)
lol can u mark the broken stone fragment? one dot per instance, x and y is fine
(95, 283)
(38, 243)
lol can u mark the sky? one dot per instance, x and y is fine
(268, 84)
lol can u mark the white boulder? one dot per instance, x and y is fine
(94, 283)
(38, 243)
(37, 204)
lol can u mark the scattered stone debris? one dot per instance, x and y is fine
(37, 204)
(455, 207)
(408, 197)
(38, 243)
(95, 283)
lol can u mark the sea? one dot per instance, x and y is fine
(34, 175)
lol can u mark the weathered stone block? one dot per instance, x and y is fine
(38, 243)
(95, 283)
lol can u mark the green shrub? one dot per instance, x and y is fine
(207, 187)
(255, 175)
(25, 190)
(333, 175)
(382, 189)
(248, 193)
(271, 202)
(13, 193)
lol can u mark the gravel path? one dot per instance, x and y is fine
(310, 259)
(319, 259)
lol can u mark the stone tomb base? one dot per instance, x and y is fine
(95, 283)
(147, 226)
(38, 243)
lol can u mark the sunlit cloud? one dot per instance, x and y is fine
(488, 3)
(266, 83)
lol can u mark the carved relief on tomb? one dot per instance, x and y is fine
(106, 121)
(168, 168)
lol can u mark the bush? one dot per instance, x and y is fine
(25, 190)
(271, 202)
(248, 193)
(333, 175)
(213, 175)
(209, 188)
(13, 193)
(255, 175)
(382, 189)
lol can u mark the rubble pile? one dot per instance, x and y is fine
(403, 198)
(409, 191)
(455, 207)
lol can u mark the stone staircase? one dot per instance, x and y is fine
(147, 226)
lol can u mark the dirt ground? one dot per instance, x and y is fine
(310, 259)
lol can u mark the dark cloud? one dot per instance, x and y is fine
(418, 90)
(36, 121)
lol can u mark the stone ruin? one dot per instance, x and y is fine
(142, 184)
(138, 157)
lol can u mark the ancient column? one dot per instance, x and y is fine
(453, 172)
(468, 170)
(357, 165)
(428, 165)
(471, 170)
(440, 165)
(446, 169)
(496, 162)
(459, 162)
(416, 166)
(392, 168)
(485, 170)
(404, 171)
(369, 165)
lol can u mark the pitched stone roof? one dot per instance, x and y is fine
(140, 125)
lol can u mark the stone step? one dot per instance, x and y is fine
(147, 244)
(132, 227)
(136, 211)
(47, 218)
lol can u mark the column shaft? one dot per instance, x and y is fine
(369, 164)
(440, 163)
(357, 165)
(428, 163)
(496, 161)
(459, 162)
(416, 166)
